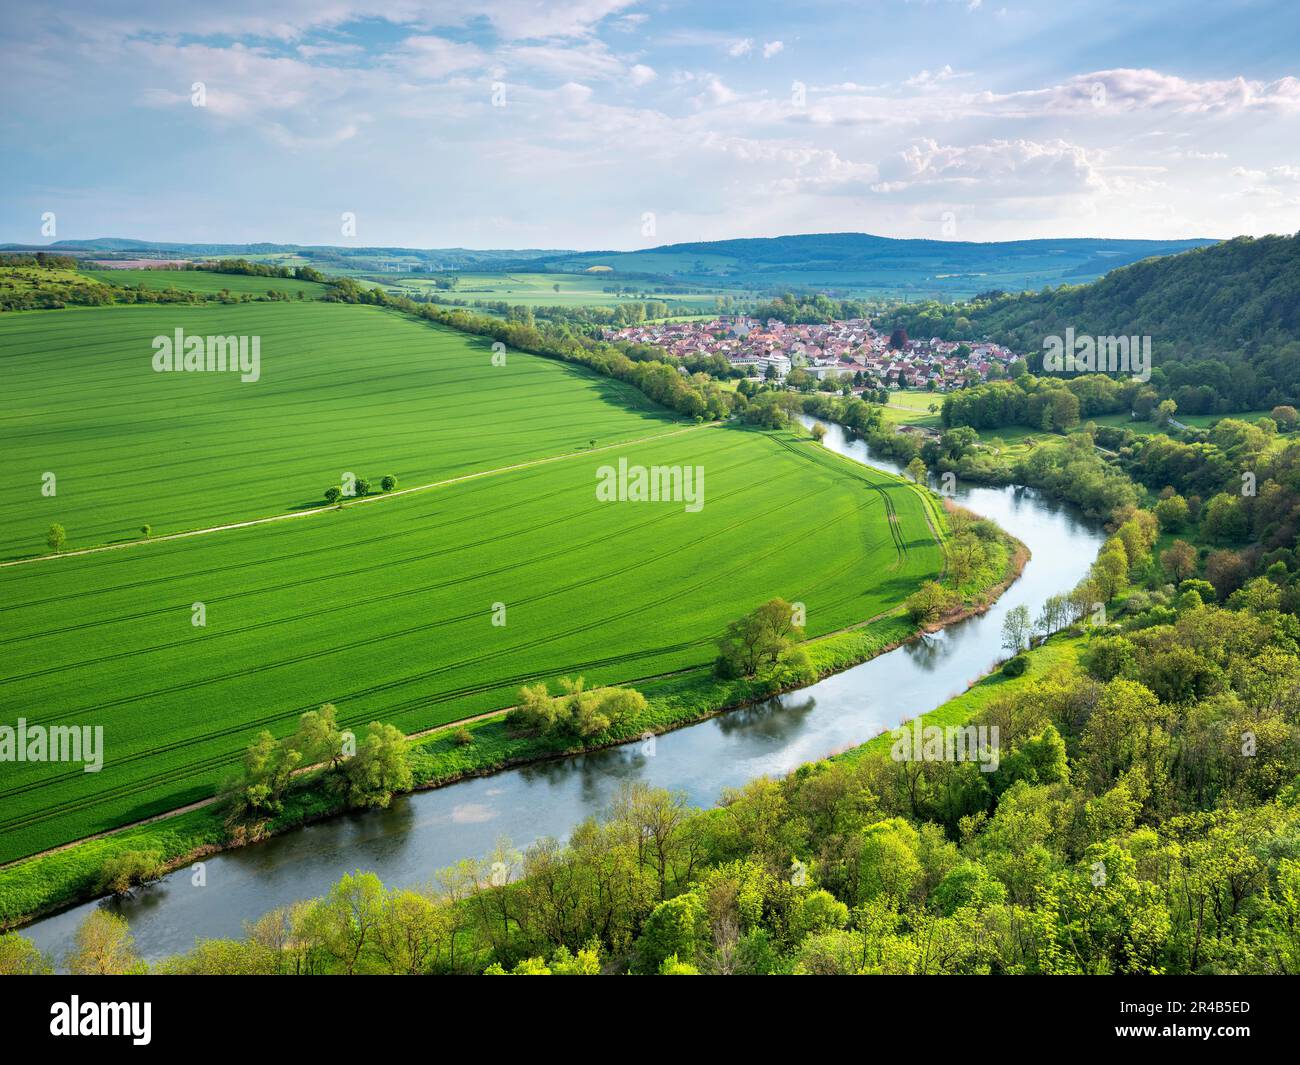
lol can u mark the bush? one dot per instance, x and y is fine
(130, 869)
(1016, 667)
(463, 737)
(575, 710)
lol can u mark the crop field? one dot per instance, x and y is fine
(207, 281)
(341, 389)
(551, 289)
(385, 608)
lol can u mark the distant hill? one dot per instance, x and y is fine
(1224, 321)
(862, 263)
(846, 264)
(349, 258)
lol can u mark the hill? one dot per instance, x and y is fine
(862, 262)
(1224, 321)
(844, 263)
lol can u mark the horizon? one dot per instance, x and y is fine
(620, 125)
(74, 242)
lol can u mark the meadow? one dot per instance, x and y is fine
(207, 281)
(386, 608)
(341, 389)
(549, 289)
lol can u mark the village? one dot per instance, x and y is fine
(850, 348)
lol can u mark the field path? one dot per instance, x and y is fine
(354, 502)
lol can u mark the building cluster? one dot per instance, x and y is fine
(851, 347)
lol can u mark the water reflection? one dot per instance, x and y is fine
(406, 843)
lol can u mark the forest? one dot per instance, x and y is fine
(1222, 320)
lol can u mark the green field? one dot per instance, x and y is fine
(385, 610)
(912, 407)
(207, 281)
(385, 607)
(342, 389)
(540, 290)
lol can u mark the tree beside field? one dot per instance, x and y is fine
(760, 639)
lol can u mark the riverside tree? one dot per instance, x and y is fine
(757, 640)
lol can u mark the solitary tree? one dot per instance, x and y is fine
(333, 493)
(916, 470)
(146, 530)
(363, 487)
(388, 483)
(57, 537)
(1016, 627)
(758, 639)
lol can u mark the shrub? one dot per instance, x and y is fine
(122, 872)
(1016, 667)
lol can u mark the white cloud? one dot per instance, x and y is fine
(436, 57)
(772, 48)
(740, 48)
(927, 79)
(716, 93)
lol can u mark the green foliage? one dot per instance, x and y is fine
(576, 711)
(124, 872)
(1223, 321)
(1016, 666)
(758, 640)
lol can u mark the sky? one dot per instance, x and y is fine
(613, 124)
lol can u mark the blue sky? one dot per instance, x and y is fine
(613, 124)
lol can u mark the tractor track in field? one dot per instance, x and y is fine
(252, 522)
(173, 773)
(420, 702)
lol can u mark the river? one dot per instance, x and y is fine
(423, 832)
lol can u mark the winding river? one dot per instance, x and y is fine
(423, 832)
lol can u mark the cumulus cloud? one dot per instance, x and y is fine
(740, 48)
(772, 48)
(1020, 167)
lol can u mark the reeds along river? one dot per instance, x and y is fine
(423, 832)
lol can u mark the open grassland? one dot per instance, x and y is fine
(385, 609)
(1195, 421)
(342, 389)
(208, 282)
